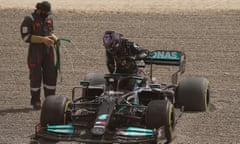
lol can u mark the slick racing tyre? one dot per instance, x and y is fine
(54, 110)
(160, 113)
(194, 94)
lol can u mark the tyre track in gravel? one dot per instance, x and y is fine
(210, 39)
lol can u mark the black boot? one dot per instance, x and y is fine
(35, 100)
(48, 92)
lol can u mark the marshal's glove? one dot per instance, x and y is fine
(53, 37)
(42, 39)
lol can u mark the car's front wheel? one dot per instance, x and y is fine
(160, 113)
(54, 110)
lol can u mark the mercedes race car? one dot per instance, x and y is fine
(101, 112)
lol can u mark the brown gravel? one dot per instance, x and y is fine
(210, 39)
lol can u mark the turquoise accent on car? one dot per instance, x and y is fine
(135, 131)
(129, 129)
(122, 108)
(165, 55)
(136, 134)
(69, 126)
(64, 131)
(103, 116)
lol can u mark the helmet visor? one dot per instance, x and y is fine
(107, 40)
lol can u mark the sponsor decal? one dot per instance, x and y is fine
(166, 55)
(101, 123)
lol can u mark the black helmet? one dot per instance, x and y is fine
(44, 6)
(111, 39)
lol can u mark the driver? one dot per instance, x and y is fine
(121, 55)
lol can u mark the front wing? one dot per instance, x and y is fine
(78, 137)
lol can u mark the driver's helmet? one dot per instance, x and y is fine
(111, 39)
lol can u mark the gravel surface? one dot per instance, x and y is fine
(210, 38)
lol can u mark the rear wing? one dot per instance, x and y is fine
(168, 57)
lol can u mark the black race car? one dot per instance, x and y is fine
(101, 112)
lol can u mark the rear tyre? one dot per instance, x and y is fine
(194, 94)
(54, 110)
(161, 113)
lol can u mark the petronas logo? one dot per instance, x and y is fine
(166, 55)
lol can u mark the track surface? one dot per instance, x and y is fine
(210, 39)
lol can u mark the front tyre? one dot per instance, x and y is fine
(161, 113)
(54, 110)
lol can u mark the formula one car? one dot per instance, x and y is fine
(105, 113)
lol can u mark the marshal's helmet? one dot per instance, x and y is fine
(45, 6)
(111, 39)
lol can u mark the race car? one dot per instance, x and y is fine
(101, 112)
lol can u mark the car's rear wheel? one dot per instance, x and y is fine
(160, 113)
(54, 110)
(194, 94)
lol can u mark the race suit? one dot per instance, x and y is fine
(121, 59)
(40, 57)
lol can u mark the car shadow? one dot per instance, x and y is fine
(41, 141)
(13, 110)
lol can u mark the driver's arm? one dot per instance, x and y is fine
(110, 62)
(135, 49)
